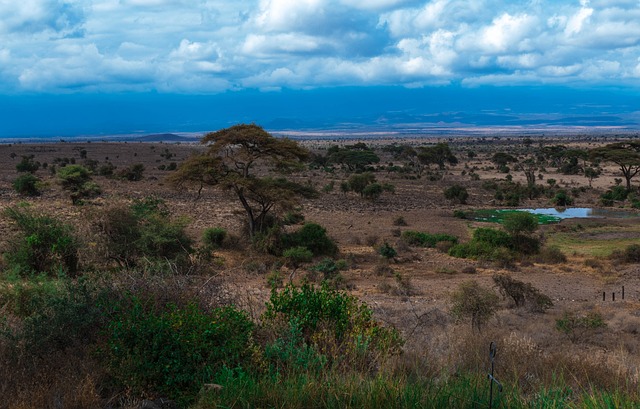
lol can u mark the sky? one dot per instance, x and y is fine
(101, 66)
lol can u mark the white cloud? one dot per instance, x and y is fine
(213, 45)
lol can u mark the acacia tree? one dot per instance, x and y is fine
(624, 154)
(438, 154)
(232, 161)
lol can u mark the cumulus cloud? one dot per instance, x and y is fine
(215, 45)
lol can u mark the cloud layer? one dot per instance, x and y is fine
(210, 46)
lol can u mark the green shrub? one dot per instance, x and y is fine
(175, 351)
(334, 323)
(387, 251)
(493, 237)
(27, 185)
(297, 255)
(43, 244)
(214, 237)
(313, 237)
(416, 238)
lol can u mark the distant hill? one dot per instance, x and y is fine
(163, 137)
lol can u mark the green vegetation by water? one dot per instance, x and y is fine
(498, 216)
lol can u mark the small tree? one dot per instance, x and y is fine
(520, 223)
(27, 164)
(230, 163)
(472, 301)
(624, 154)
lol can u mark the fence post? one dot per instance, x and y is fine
(492, 354)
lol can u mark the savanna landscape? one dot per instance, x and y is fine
(252, 270)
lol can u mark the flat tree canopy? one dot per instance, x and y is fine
(624, 154)
(231, 161)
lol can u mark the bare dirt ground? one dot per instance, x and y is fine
(358, 226)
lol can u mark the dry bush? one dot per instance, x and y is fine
(371, 240)
(63, 379)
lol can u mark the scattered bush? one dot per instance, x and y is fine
(416, 238)
(631, 254)
(520, 223)
(43, 244)
(459, 214)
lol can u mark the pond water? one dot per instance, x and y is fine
(552, 215)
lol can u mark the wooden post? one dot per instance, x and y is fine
(623, 292)
(613, 296)
(604, 296)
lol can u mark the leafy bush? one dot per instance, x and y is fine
(577, 327)
(416, 238)
(214, 237)
(457, 193)
(175, 351)
(43, 244)
(291, 218)
(334, 323)
(313, 237)
(27, 185)
(631, 254)
(459, 214)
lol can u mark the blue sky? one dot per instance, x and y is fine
(102, 66)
